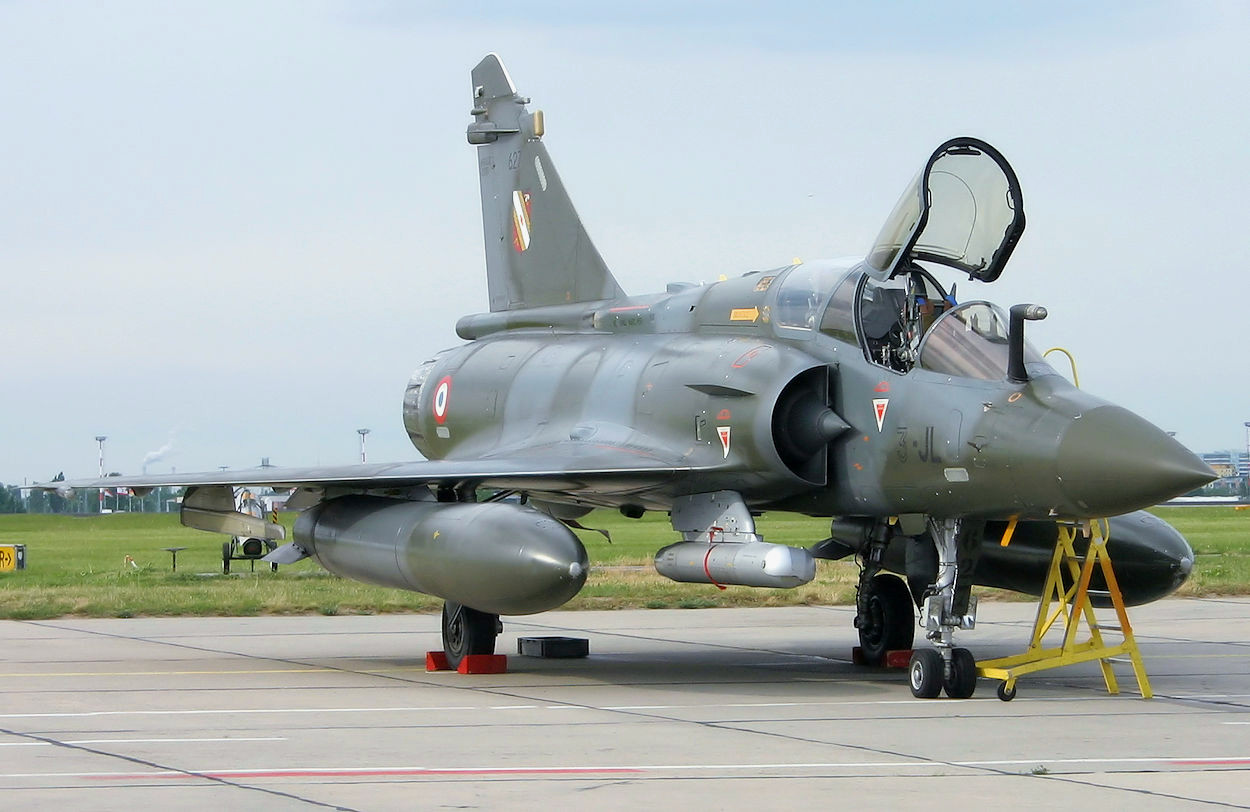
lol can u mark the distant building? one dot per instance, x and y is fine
(1228, 464)
(1233, 469)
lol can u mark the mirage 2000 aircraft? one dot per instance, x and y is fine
(859, 390)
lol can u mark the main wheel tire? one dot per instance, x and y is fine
(225, 558)
(962, 682)
(889, 622)
(467, 631)
(925, 673)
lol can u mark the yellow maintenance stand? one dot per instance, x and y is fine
(1071, 604)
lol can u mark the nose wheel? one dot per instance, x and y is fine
(961, 675)
(930, 673)
(924, 672)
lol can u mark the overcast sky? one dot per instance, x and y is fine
(231, 230)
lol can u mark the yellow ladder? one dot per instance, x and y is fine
(1073, 606)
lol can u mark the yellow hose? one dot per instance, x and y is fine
(1071, 361)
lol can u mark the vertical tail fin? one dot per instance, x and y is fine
(537, 252)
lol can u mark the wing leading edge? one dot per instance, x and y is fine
(565, 467)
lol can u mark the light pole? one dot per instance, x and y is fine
(1247, 460)
(100, 438)
(363, 432)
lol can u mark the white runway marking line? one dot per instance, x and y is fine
(436, 708)
(224, 711)
(431, 708)
(395, 771)
(145, 741)
(211, 673)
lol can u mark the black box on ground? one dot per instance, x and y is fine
(553, 647)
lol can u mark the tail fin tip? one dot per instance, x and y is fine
(491, 79)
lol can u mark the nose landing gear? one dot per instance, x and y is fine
(948, 605)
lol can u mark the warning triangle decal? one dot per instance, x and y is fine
(879, 405)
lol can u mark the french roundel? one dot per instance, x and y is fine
(442, 394)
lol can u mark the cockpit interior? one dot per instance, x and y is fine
(902, 323)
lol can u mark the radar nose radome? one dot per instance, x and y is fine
(1111, 461)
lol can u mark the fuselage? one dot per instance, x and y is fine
(729, 379)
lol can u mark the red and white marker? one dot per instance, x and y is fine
(879, 405)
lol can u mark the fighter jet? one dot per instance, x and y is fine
(862, 390)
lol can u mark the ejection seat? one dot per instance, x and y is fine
(880, 313)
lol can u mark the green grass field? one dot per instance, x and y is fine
(79, 566)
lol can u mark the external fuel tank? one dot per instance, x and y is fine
(494, 557)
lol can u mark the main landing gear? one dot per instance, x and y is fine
(885, 614)
(886, 619)
(468, 631)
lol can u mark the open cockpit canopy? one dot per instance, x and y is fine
(964, 210)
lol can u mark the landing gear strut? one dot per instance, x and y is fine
(467, 631)
(948, 605)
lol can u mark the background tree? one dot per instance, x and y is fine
(11, 500)
(37, 502)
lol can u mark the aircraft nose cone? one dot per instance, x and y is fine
(1111, 461)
